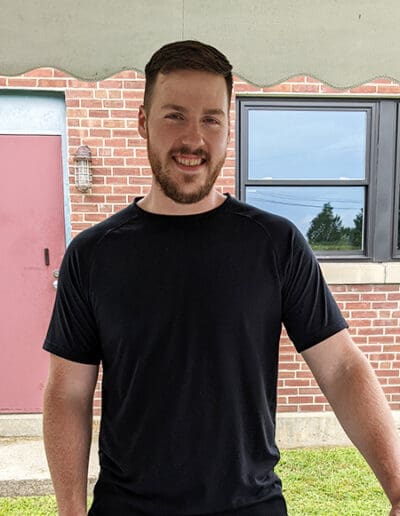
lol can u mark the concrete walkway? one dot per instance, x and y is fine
(23, 467)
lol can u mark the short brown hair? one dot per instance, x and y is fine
(186, 55)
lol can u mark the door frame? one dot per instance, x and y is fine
(33, 112)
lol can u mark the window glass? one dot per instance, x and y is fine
(306, 144)
(331, 218)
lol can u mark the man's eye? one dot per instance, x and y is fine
(174, 116)
(211, 121)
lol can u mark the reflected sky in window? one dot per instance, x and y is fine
(302, 204)
(307, 144)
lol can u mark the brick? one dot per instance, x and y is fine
(39, 72)
(374, 297)
(286, 391)
(369, 331)
(114, 94)
(356, 322)
(297, 383)
(22, 83)
(137, 84)
(95, 198)
(364, 89)
(123, 113)
(311, 408)
(109, 83)
(104, 189)
(382, 356)
(305, 88)
(94, 217)
(100, 94)
(116, 180)
(309, 390)
(392, 348)
(362, 314)
(112, 124)
(359, 306)
(113, 162)
(347, 296)
(92, 122)
(79, 93)
(122, 151)
(300, 399)
(91, 103)
(287, 408)
(385, 305)
(388, 89)
(99, 113)
(52, 83)
(387, 288)
(381, 339)
(134, 103)
(97, 132)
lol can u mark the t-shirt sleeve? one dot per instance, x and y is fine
(72, 332)
(310, 313)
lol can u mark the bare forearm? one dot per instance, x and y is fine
(67, 434)
(363, 411)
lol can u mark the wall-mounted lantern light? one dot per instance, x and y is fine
(83, 174)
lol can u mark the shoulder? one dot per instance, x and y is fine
(89, 238)
(279, 229)
(80, 253)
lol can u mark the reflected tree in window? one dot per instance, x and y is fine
(356, 232)
(327, 232)
(326, 229)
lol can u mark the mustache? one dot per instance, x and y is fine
(200, 153)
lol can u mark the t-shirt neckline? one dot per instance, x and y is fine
(181, 218)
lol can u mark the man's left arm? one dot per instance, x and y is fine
(349, 383)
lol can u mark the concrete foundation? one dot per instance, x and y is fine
(294, 430)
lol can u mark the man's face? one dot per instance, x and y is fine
(187, 131)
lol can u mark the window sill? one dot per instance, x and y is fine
(358, 273)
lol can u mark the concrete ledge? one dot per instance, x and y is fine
(358, 273)
(294, 429)
(33, 487)
(299, 430)
(20, 425)
(29, 425)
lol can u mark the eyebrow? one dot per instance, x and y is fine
(176, 107)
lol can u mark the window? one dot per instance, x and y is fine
(329, 166)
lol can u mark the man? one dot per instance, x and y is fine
(181, 296)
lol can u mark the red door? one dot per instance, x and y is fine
(32, 243)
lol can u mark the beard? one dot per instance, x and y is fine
(173, 188)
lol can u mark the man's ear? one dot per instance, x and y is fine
(142, 122)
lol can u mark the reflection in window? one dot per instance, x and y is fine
(307, 144)
(330, 218)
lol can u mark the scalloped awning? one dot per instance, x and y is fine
(341, 42)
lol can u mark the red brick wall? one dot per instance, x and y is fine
(103, 116)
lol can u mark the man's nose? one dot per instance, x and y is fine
(193, 135)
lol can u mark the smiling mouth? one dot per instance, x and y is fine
(189, 162)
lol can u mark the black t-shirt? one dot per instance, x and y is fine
(185, 314)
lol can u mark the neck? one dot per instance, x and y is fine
(157, 202)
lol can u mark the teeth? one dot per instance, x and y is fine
(189, 162)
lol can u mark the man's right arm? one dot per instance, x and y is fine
(67, 428)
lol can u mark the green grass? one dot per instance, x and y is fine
(323, 482)
(330, 482)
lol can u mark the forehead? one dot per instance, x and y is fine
(192, 89)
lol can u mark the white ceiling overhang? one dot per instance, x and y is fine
(341, 42)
